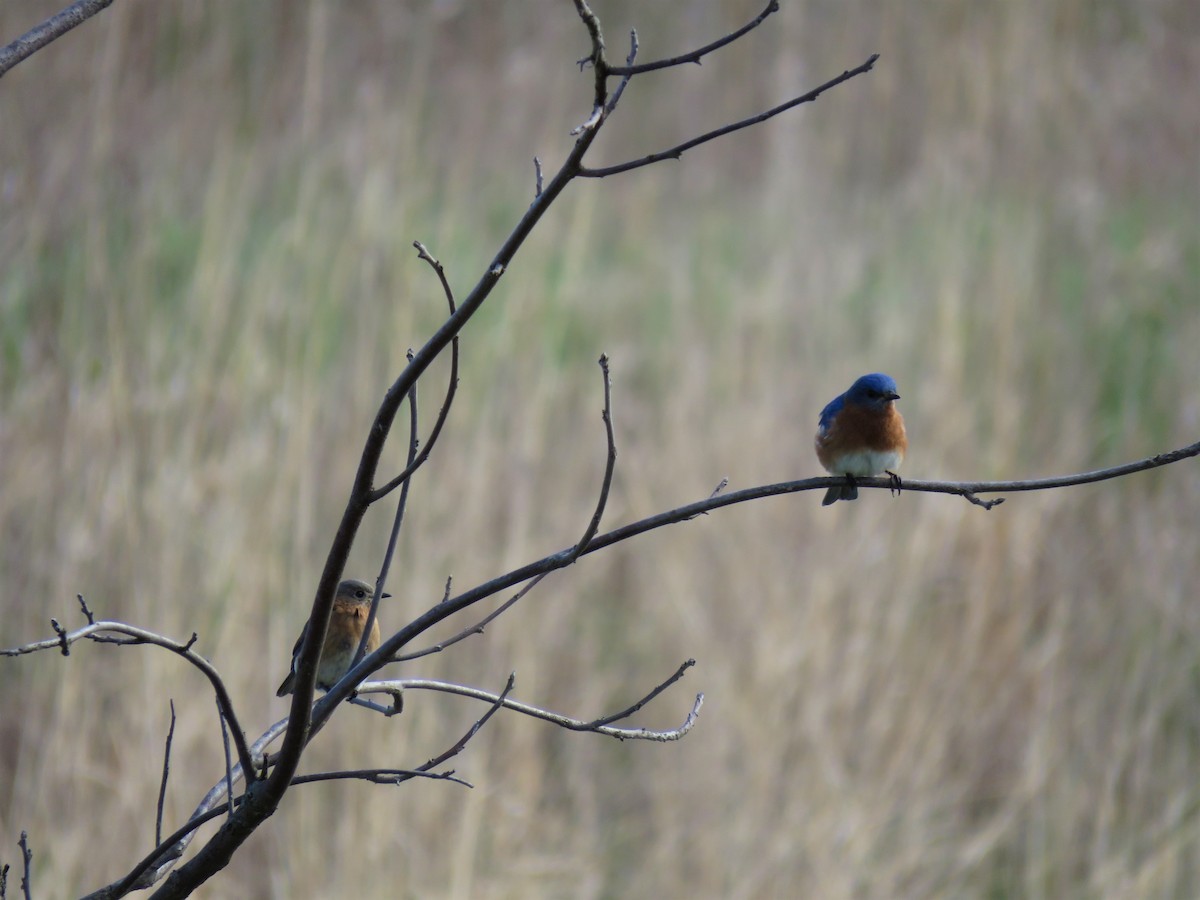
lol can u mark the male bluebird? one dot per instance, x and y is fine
(861, 434)
(350, 607)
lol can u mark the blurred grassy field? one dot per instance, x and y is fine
(206, 283)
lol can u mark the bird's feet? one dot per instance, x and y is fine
(896, 483)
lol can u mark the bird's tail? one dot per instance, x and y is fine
(840, 492)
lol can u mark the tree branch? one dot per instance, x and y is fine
(166, 772)
(50, 30)
(95, 632)
(638, 734)
(451, 390)
(677, 151)
(696, 55)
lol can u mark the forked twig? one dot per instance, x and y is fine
(622, 734)
(678, 150)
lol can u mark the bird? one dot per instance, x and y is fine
(861, 434)
(351, 605)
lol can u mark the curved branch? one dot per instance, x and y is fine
(451, 390)
(96, 632)
(50, 30)
(380, 776)
(397, 521)
(677, 151)
(696, 55)
(462, 690)
(610, 464)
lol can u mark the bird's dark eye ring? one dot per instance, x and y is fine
(360, 593)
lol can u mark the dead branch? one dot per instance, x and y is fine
(50, 30)
(598, 726)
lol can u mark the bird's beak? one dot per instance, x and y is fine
(892, 395)
(385, 594)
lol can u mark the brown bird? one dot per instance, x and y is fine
(351, 605)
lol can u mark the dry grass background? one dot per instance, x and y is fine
(206, 282)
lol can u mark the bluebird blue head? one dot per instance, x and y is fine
(874, 391)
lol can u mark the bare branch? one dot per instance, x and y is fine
(228, 761)
(537, 172)
(166, 772)
(498, 700)
(610, 464)
(599, 64)
(26, 860)
(478, 627)
(87, 612)
(696, 55)
(677, 151)
(451, 390)
(95, 631)
(397, 522)
(624, 83)
(636, 707)
(381, 776)
(461, 690)
(683, 513)
(50, 30)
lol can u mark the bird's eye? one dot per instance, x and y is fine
(360, 593)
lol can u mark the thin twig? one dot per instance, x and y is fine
(50, 30)
(394, 536)
(381, 776)
(624, 83)
(677, 151)
(27, 860)
(461, 690)
(610, 464)
(451, 390)
(537, 172)
(696, 55)
(477, 628)
(166, 772)
(636, 707)
(498, 701)
(87, 612)
(228, 760)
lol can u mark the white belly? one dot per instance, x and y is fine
(866, 463)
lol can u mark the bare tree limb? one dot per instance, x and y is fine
(636, 707)
(624, 82)
(461, 690)
(477, 628)
(95, 631)
(394, 536)
(228, 761)
(26, 861)
(696, 55)
(50, 30)
(451, 390)
(381, 776)
(677, 151)
(166, 772)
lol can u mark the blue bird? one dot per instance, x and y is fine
(861, 435)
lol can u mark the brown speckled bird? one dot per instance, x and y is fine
(351, 605)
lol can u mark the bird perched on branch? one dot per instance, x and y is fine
(861, 435)
(351, 605)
